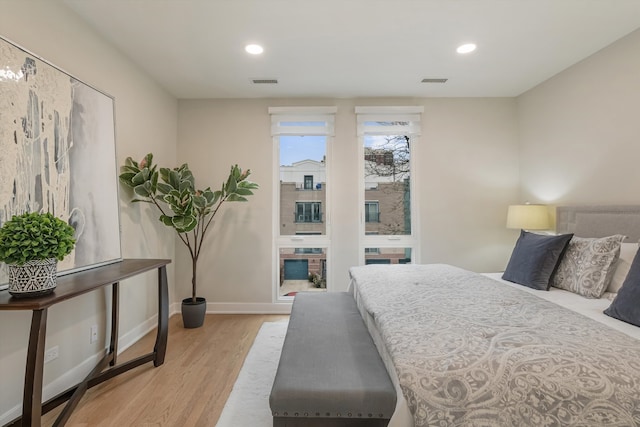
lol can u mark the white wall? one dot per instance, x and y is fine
(146, 120)
(466, 168)
(579, 131)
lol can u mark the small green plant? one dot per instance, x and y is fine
(35, 236)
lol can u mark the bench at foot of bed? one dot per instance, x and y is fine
(330, 373)
(329, 422)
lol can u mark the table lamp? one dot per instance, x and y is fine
(528, 217)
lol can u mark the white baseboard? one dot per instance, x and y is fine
(174, 308)
(240, 308)
(248, 308)
(134, 335)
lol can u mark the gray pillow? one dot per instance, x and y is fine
(588, 265)
(535, 258)
(626, 306)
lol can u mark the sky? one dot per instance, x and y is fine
(295, 148)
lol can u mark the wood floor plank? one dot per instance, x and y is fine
(189, 389)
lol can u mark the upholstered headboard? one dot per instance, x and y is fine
(599, 221)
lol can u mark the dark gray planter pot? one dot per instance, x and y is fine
(193, 313)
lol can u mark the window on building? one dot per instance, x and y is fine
(308, 250)
(308, 182)
(371, 211)
(308, 212)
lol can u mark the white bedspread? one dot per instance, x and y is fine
(468, 350)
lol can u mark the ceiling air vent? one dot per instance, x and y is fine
(434, 80)
(265, 81)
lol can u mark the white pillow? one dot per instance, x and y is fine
(627, 253)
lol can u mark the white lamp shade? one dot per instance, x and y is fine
(528, 217)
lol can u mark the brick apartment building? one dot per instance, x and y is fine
(302, 212)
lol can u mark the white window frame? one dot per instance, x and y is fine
(325, 116)
(407, 122)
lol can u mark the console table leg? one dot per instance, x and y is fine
(115, 312)
(32, 397)
(160, 347)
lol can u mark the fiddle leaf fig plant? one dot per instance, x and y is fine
(189, 211)
(35, 236)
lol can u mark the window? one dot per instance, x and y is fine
(302, 163)
(308, 212)
(387, 175)
(371, 211)
(387, 142)
(308, 250)
(301, 270)
(301, 140)
(308, 182)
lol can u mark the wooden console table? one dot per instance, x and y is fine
(70, 286)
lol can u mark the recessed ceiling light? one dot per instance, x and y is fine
(466, 48)
(254, 49)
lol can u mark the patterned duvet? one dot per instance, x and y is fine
(470, 351)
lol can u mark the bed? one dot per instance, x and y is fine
(465, 349)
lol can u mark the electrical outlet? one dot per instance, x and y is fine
(94, 334)
(51, 354)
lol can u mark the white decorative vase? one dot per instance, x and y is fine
(33, 278)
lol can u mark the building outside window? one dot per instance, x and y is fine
(302, 185)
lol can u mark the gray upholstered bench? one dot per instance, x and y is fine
(330, 373)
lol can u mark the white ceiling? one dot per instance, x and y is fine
(356, 48)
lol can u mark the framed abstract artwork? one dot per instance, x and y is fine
(57, 145)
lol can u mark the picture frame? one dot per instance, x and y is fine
(57, 139)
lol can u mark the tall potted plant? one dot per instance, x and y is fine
(187, 210)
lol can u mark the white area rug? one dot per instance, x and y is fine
(248, 403)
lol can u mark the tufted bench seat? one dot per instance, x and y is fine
(330, 373)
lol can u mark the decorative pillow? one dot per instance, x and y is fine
(588, 265)
(535, 258)
(627, 253)
(626, 306)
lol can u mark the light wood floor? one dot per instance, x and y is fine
(189, 389)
